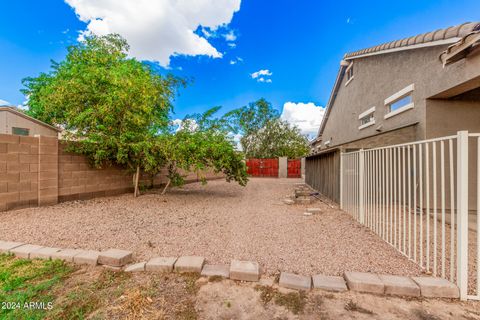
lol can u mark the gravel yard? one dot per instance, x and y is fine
(220, 221)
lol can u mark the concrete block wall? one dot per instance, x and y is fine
(48, 170)
(282, 167)
(37, 171)
(77, 180)
(19, 170)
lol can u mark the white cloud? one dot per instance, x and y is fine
(262, 79)
(262, 76)
(4, 103)
(236, 60)
(158, 29)
(306, 116)
(188, 124)
(236, 140)
(230, 36)
(263, 72)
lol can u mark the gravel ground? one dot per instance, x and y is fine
(221, 221)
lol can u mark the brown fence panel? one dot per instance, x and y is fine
(294, 168)
(322, 173)
(262, 167)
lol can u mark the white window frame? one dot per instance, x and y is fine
(397, 96)
(350, 66)
(365, 114)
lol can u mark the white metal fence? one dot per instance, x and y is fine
(423, 198)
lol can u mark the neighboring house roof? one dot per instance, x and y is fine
(461, 49)
(440, 36)
(15, 111)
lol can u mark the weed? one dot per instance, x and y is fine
(190, 282)
(329, 296)
(187, 313)
(266, 293)
(293, 301)
(215, 279)
(109, 278)
(424, 315)
(352, 306)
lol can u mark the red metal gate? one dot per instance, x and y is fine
(294, 168)
(262, 167)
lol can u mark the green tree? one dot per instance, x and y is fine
(203, 143)
(116, 110)
(111, 105)
(276, 139)
(264, 134)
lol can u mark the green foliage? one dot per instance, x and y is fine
(252, 117)
(200, 144)
(277, 139)
(115, 110)
(264, 134)
(111, 105)
(23, 281)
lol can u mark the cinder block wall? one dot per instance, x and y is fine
(19, 170)
(37, 171)
(78, 181)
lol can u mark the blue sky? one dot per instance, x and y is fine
(299, 42)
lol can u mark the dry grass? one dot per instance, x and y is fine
(293, 301)
(352, 306)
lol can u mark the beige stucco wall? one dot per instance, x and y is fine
(378, 77)
(9, 120)
(402, 135)
(446, 117)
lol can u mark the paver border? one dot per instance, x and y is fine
(142, 266)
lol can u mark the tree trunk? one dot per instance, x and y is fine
(137, 176)
(166, 186)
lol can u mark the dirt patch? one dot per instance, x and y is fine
(231, 300)
(98, 293)
(220, 221)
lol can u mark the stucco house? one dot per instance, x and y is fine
(13, 121)
(411, 89)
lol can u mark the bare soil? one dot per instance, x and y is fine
(94, 293)
(225, 300)
(220, 221)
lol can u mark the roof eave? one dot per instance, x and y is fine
(461, 48)
(411, 47)
(333, 95)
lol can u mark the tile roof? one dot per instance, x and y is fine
(458, 31)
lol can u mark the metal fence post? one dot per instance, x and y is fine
(361, 175)
(341, 180)
(462, 213)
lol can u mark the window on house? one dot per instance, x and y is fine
(20, 131)
(349, 73)
(367, 118)
(399, 102)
